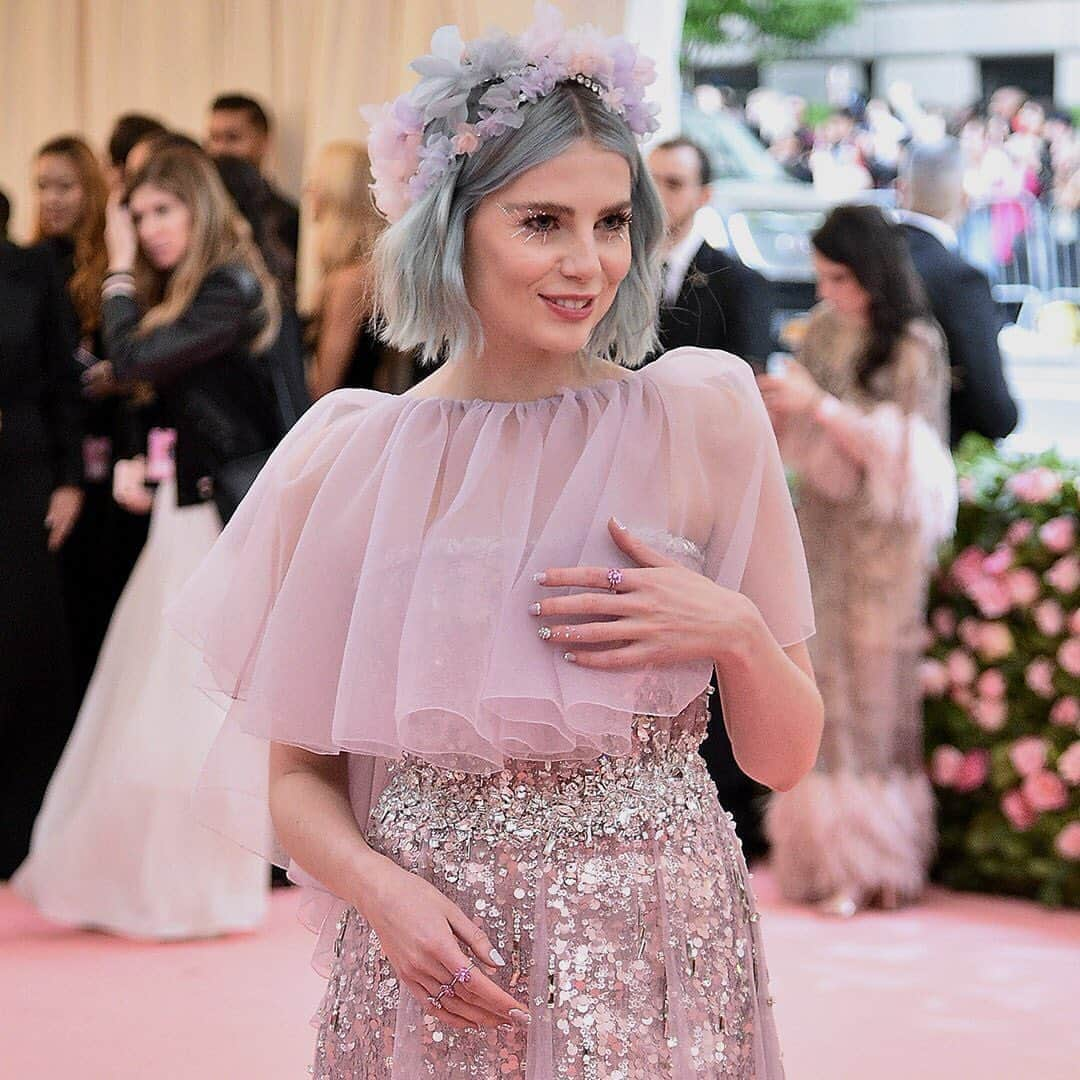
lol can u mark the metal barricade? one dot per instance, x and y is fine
(1024, 248)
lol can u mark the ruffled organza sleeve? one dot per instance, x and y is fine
(725, 447)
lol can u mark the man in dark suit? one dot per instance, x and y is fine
(240, 127)
(931, 196)
(710, 299)
(713, 301)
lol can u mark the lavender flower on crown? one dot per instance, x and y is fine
(416, 139)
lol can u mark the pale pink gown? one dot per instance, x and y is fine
(371, 597)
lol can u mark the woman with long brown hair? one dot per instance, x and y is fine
(345, 348)
(861, 417)
(100, 553)
(187, 305)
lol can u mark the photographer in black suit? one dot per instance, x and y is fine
(713, 301)
(931, 195)
(709, 298)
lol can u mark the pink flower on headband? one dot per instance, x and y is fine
(471, 92)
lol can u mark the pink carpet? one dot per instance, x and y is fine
(957, 989)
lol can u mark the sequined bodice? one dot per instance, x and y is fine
(533, 805)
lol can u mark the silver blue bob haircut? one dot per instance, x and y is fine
(420, 282)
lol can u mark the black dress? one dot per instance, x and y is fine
(101, 551)
(40, 450)
(723, 304)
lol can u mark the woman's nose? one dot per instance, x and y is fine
(583, 258)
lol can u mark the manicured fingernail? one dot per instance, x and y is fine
(544, 633)
(496, 959)
(540, 577)
(618, 523)
(569, 657)
(534, 609)
(519, 1016)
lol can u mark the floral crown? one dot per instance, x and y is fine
(416, 138)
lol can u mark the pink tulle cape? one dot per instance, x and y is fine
(371, 593)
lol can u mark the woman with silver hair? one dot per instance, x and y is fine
(475, 623)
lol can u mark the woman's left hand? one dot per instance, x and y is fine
(791, 394)
(661, 613)
(120, 238)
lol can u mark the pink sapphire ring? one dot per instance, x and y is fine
(614, 579)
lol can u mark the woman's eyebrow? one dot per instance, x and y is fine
(559, 208)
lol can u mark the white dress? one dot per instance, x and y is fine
(116, 846)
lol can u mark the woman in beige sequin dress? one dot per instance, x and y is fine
(861, 419)
(484, 695)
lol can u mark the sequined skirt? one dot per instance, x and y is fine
(617, 892)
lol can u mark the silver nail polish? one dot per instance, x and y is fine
(569, 657)
(496, 959)
(534, 609)
(618, 523)
(544, 633)
(519, 1016)
(540, 577)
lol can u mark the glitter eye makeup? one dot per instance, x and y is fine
(540, 221)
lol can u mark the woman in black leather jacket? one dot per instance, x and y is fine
(188, 306)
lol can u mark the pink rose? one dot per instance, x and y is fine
(973, 771)
(1040, 677)
(1028, 755)
(961, 667)
(962, 696)
(991, 596)
(1049, 618)
(989, 714)
(991, 684)
(1024, 586)
(997, 562)
(969, 632)
(1067, 842)
(1074, 621)
(1058, 534)
(967, 567)
(1034, 485)
(1020, 816)
(1019, 532)
(945, 765)
(1069, 763)
(1044, 790)
(995, 641)
(1065, 712)
(1064, 575)
(943, 620)
(1069, 656)
(934, 678)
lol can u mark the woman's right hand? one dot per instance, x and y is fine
(422, 933)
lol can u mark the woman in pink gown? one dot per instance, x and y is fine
(482, 694)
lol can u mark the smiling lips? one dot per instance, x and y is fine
(572, 308)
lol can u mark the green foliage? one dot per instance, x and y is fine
(1006, 596)
(788, 22)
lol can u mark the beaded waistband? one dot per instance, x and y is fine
(537, 805)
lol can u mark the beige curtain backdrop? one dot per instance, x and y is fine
(75, 65)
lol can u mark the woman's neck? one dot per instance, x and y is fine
(495, 376)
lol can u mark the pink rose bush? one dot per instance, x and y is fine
(1001, 680)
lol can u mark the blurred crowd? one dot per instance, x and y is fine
(1012, 144)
